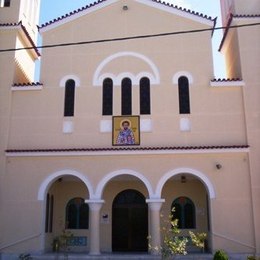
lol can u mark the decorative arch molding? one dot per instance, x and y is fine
(98, 77)
(121, 76)
(67, 77)
(204, 179)
(117, 80)
(101, 185)
(45, 185)
(143, 75)
(187, 74)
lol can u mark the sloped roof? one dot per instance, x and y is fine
(88, 8)
(26, 33)
(229, 23)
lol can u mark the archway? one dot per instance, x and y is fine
(129, 222)
(65, 209)
(190, 193)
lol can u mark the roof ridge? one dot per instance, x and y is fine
(76, 11)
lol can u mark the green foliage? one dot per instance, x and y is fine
(61, 241)
(220, 255)
(251, 257)
(173, 244)
(198, 239)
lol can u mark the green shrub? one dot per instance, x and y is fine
(251, 257)
(220, 255)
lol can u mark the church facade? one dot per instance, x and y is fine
(127, 122)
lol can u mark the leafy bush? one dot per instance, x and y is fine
(173, 244)
(220, 255)
(251, 257)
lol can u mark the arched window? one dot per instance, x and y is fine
(184, 96)
(77, 213)
(69, 98)
(145, 106)
(107, 103)
(49, 213)
(184, 212)
(126, 97)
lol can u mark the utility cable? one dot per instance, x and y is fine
(127, 38)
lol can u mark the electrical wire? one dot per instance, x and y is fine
(127, 38)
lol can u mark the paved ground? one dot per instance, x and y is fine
(115, 256)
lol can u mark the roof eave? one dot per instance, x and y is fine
(231, 20)
(127, 151)
(195, 16)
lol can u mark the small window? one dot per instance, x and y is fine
(107, 108)
(184, 96)
(184, 212)
(145, 106)
(69, 98)
(77, 214)
(5, 3)
(126, 97)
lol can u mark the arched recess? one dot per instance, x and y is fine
(153, 73)
(45, 185)
(101, 185)
(203, 178)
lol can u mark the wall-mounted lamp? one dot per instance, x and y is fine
(218, 166)
(183, 179)
(125, 7)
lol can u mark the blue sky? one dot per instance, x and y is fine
(51, 9)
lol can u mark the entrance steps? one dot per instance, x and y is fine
(115, 256)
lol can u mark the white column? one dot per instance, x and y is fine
(154, 206)
(94, 224)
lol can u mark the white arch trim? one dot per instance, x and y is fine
(182, 73)
(49, 180)
(200, 175)
(67, 77)
(117, 80)
(98, 77)
(101, 185)
(121, 76)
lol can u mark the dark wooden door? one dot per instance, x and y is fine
(129, 222)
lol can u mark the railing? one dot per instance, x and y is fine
(234, 240)
(20, 241)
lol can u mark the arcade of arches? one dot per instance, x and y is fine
(125, 215)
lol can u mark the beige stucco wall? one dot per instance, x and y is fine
(219, 116)
(216, 115)
(224, 222)
(250, 53)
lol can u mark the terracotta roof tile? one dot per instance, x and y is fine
(9, 24)
(246, 16)
(100, 1)
(28, 84)
(26, 33)
(231, 17)
(114, 149)
(226, 80)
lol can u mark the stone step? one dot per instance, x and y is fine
(115, 256)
